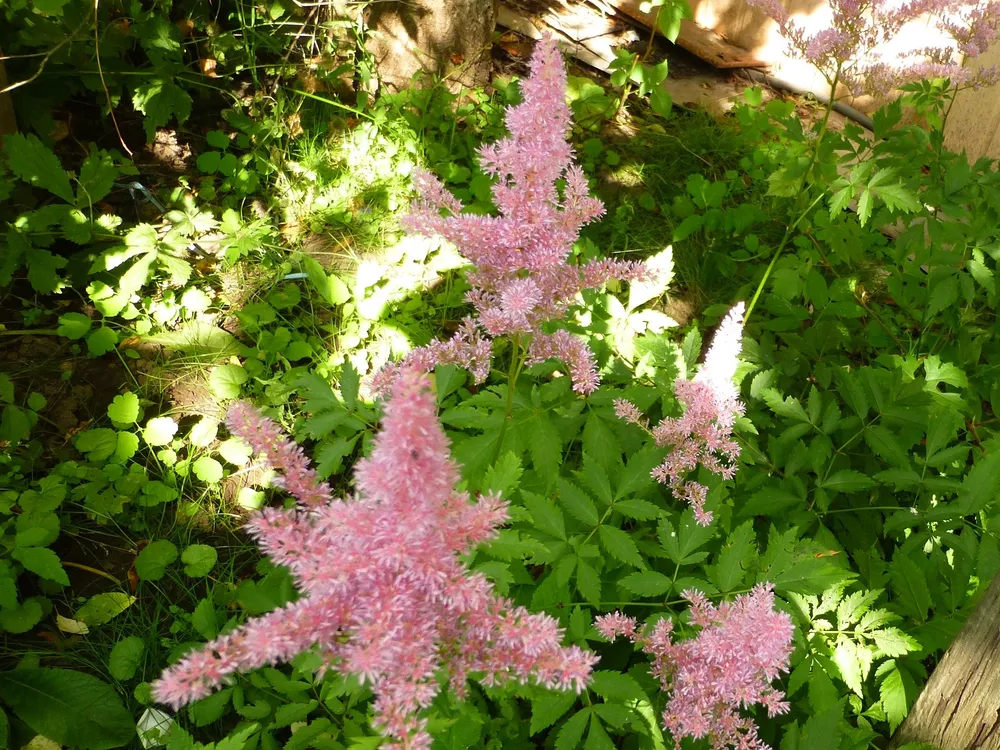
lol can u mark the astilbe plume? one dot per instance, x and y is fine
(702, 435)
(860, 29)
(521, 277)
(385, 595)
(743, 645)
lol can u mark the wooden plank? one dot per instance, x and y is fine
(959, 709)
(703, 43)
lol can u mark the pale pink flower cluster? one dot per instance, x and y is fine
(386, 595)
(860, 29)
(743, 645)
(522, 277)
(702, 435)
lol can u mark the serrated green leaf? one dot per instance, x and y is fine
(159, 100)
(647, 583)
(545, 447)
(854, 606)
(637, 474)
(350, 381)
(981, 485)
(572, 731)
(893, 642)
(595, 479)
(909, 585)
(588, 582)
(789, 407)
(640, 510)
(293, 712)
(33, 162)
(823, 730)
(852, 667)
(578, 503)
(847, 480)
(731, 563)
(620, 545)
(42, 562)
(503, 477)
(886, 446)
(97, 177)
(680, 543)
(616, 686)
(597, 738)
(892, 696)
(546, 514)
(548, 709)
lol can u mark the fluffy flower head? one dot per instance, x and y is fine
(743, 645)
(522, 276)
(385, 594)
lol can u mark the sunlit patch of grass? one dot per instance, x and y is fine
(640, 184)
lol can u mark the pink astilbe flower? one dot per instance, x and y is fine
(571, 350)
(702, 435)
(743, 646)
(521, 276)
(860, 29)
(385, 594)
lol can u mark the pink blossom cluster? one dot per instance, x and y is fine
(702, 435)
(743, 645)
(522, 277)
(860, 29)
(386, 595)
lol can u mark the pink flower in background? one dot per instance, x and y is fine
(743, 646)
(385, 594)
(702, 435)
(860, 29)
(522, 276)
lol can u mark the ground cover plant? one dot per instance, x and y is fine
(515, 418)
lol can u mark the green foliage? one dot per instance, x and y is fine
(274, 271)
(68, 707)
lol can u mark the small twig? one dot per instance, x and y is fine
(46, 56)
(95, 571)
(288, 52)
(104, 85)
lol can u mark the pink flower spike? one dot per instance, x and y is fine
(522, 276)
(385, 593)
(743, 645)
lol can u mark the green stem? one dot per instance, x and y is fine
(513, 373)
(802, 194)
(637, 60)
(31, 332)
(777, 254)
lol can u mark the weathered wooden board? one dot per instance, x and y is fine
(959, 709)
(706, 44)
